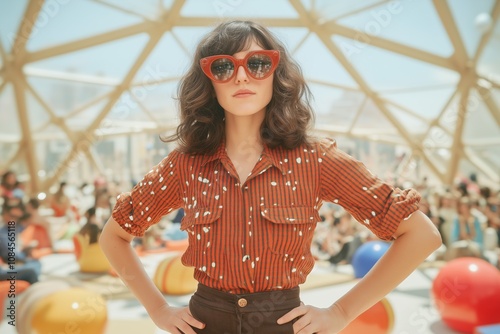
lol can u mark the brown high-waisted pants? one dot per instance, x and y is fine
(254, 313)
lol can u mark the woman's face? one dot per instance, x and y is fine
(244, 95)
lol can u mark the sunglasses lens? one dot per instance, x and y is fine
(259, 65)
(222, 69)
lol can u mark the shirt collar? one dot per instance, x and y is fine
(271, 155)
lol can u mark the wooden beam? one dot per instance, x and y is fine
(185, 21)
(25, 29)
(27, 141)
(94, 160)
(71, 77)
(3, 54)
(91, 41)
(495, 14)
(359, 10)
(123, 10)
(460, 55)
(75, 111)
(300, 43)
(154, 82)
(406, 110)
(325, 38)
(332, 85)
(490, 103)
(358, 36)
(87, 137)
(53, 117)
(457, 146)
(356, 116)
(144, 109)
(481, 165)
(482, 142)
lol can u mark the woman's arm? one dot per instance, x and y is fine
(416, 239)
(115, 243)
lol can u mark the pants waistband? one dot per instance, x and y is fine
(250, 302)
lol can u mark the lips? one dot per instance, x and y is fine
(243, 93)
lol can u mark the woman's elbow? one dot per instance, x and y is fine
(435, 239)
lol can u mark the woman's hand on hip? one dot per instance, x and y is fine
(314, 320)
(175, 320)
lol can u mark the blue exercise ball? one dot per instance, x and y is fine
(367, 255)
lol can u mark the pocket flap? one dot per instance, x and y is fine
(200, 216)
(291, 215)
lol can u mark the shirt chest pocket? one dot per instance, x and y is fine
(290, 229)
(200, 223)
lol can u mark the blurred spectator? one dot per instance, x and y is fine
(490, 205)
(36, 227)
(336, 237)
(91, 227)
(12, 226)
(59, 202)
(102, 206)
(467, 226)
(10, 187)
(447, 211)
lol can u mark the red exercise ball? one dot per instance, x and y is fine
(466, 293)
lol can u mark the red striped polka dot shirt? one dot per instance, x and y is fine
(256, 236)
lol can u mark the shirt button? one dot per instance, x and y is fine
(242, 302)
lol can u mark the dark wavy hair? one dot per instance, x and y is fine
(288, 114)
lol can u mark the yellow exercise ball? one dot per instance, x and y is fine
(68, 310)
(173, 278)
(30, 298)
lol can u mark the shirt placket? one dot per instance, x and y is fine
(246, 253)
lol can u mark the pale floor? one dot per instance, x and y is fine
(411, 301)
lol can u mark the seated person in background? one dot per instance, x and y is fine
(59, 202)
(345, 238)
(467, 226)
(12, 227)
(36, 226)
(22, 274)
(10, 187)
(91, 227)
(153, 238)
(102, 206)
(87, 249)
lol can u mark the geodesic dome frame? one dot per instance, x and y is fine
(421, 75)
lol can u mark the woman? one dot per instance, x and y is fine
(251, 182)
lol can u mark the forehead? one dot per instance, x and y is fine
(252, 45)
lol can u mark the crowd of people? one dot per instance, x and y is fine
(467, 216)
(31, 227)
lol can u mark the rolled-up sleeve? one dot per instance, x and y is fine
(156, 195)
(372, 202)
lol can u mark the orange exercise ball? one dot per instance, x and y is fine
(173, 278)
(378, 319)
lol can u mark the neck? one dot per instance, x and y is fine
(243, 133)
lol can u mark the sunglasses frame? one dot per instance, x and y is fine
(207, 62)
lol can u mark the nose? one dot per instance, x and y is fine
(241, 75)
